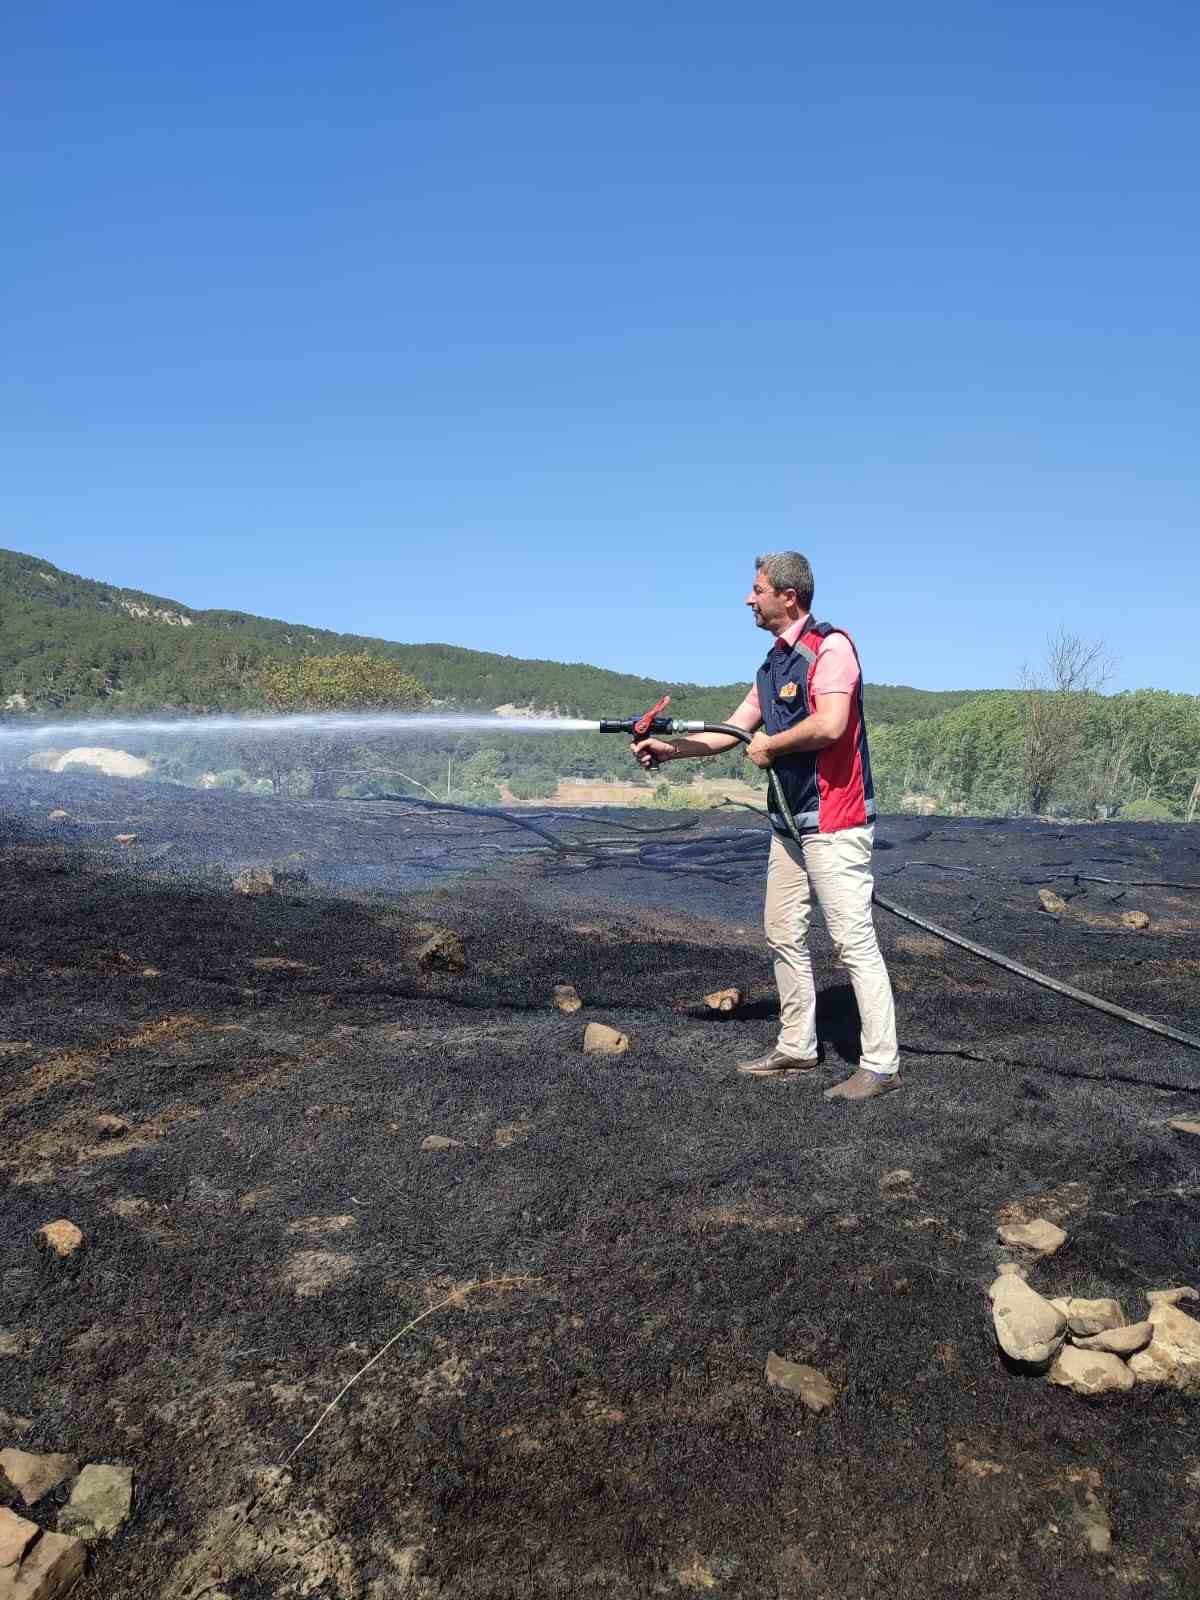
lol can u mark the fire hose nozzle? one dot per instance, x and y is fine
(638, 727)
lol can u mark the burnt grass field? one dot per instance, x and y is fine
(613, 1247)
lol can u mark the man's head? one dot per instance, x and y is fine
(782, 591)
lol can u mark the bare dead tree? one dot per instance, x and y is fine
(1055, 696)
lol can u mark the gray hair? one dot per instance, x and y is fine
(788, 569)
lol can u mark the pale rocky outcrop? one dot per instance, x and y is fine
(112, 763)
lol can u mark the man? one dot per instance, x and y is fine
(807, 708)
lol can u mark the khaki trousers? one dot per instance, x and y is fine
(836, 867)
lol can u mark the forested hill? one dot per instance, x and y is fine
(69, 645)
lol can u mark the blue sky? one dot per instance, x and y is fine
(525, 326)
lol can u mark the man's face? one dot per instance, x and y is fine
(770, 605)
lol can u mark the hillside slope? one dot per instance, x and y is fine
(71, 644)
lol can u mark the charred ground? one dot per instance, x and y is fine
(598, 1424)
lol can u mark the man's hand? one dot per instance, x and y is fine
(650, 752)
(759, 750)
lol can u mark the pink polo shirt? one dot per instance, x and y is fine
(836, 671)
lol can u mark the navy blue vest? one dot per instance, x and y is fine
(826, 790)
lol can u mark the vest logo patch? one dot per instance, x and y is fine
(788, 692)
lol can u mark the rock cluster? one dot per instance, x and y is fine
(1087, 1346)
(40, 1564)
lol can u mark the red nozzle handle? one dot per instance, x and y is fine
(642, 726)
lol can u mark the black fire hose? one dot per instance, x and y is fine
(653, 726)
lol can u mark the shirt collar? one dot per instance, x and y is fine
(787, 639)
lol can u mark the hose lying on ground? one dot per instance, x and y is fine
(1056, 985)
(1018, 967)
(1022, 971)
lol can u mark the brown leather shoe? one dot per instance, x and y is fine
(865, 1085)
(775, 1065)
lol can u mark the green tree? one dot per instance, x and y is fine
(355, 682)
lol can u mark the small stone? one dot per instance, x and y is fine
(724, 1001)
(1051, 902)
(63, 1237)
(813, 1387)
(1094, 1316)
(51, 1568)
(566, 999)
(1170, 1297)
(439, 1141)
(1028, 1329)
(1135, 919)
(601, 1040)
(33, 1476)
(254, 881)
(1039, 1235)
(443, 952)
(1120, 1341)
(125, 839)
(1090, 1371)
(100, 1502)
(59, 815)
(897, 1179)
(151, 972)
(1182, 1125)
(1173, 1354)
(110, 1127)
(16, 1535)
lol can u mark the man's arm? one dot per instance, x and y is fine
(652, 752)
(825, 726)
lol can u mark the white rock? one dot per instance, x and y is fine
(1086, 1317)
(1090, 1371)
(601, 1040)
(1028, 1329)
(100, 1502)
(1120, 1341)
(1039, 1235)
(1173, 1354)
(1170, 1297)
